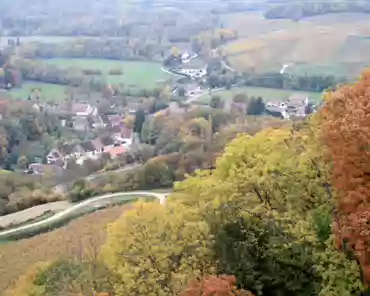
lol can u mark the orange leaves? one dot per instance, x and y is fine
(345, 120)
(212, 285)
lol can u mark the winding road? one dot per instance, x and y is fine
(75, 209)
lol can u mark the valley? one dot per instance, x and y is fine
(184, 148)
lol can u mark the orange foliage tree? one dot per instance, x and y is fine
(212, 285)
(345, 123)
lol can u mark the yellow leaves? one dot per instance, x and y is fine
(154, 249)
(175, 51)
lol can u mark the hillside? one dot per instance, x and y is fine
(299, 9)
(309, 46)
(76, 239)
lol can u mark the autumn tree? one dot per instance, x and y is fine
(155, 249)
(212, 285)
(345, 125)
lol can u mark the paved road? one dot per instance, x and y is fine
(33, 213)
(74, 209)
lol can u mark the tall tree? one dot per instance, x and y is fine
(139, 121)
(346, 133)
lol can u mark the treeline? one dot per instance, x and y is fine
(300, 9)
(276, 216)
(100, 48)
(317, 83)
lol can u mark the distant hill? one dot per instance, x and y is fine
(299, 8)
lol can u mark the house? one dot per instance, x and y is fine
(98, 145)
(116, 151)
(47, 169)
(112, 120)
(296, 105)
(81, 123)
(82, 109)
(107, 142)
(132, 107)
(89, 152)
(123, 136)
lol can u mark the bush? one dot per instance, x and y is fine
(117, 71)
(92, 72)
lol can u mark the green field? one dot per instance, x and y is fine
(136, 75)
(268, 94)
(48, 92)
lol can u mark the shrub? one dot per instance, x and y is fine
(92, 72)
(117, 71)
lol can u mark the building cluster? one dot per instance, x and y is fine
(85, 118)
(297, 105)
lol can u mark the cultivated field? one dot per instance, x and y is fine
(83, 235)
(324, 43)
(268, 94)
(136, 75)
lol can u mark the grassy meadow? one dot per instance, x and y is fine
(136, 74)
(268, 94)
(48, 92)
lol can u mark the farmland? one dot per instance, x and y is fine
(268, 94)
(266, 45)
(135, 74)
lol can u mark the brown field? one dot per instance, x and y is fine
(80, 238)
(266, 45)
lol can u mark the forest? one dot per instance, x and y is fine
(283, 212)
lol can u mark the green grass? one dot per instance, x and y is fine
(49, 92)
(135, 75)
(268, 94)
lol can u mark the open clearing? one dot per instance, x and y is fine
(267, 94)
(48, 92)
(136, 74)
(72, 240)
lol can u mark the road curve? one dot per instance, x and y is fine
(59, 216)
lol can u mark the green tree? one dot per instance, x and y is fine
(22, 162)
(139, 121)
(157, 174)
(256, 106)
(215, 102)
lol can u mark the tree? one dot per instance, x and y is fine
(22, 162)
(181, 92)
(66, 277)
(346, 136)
(215, 102)
(157, 174)
(139, 121)
(256, 106)
(214, 286)
(155, 249)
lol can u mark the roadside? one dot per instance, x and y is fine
(32, 213)
(78, 209)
